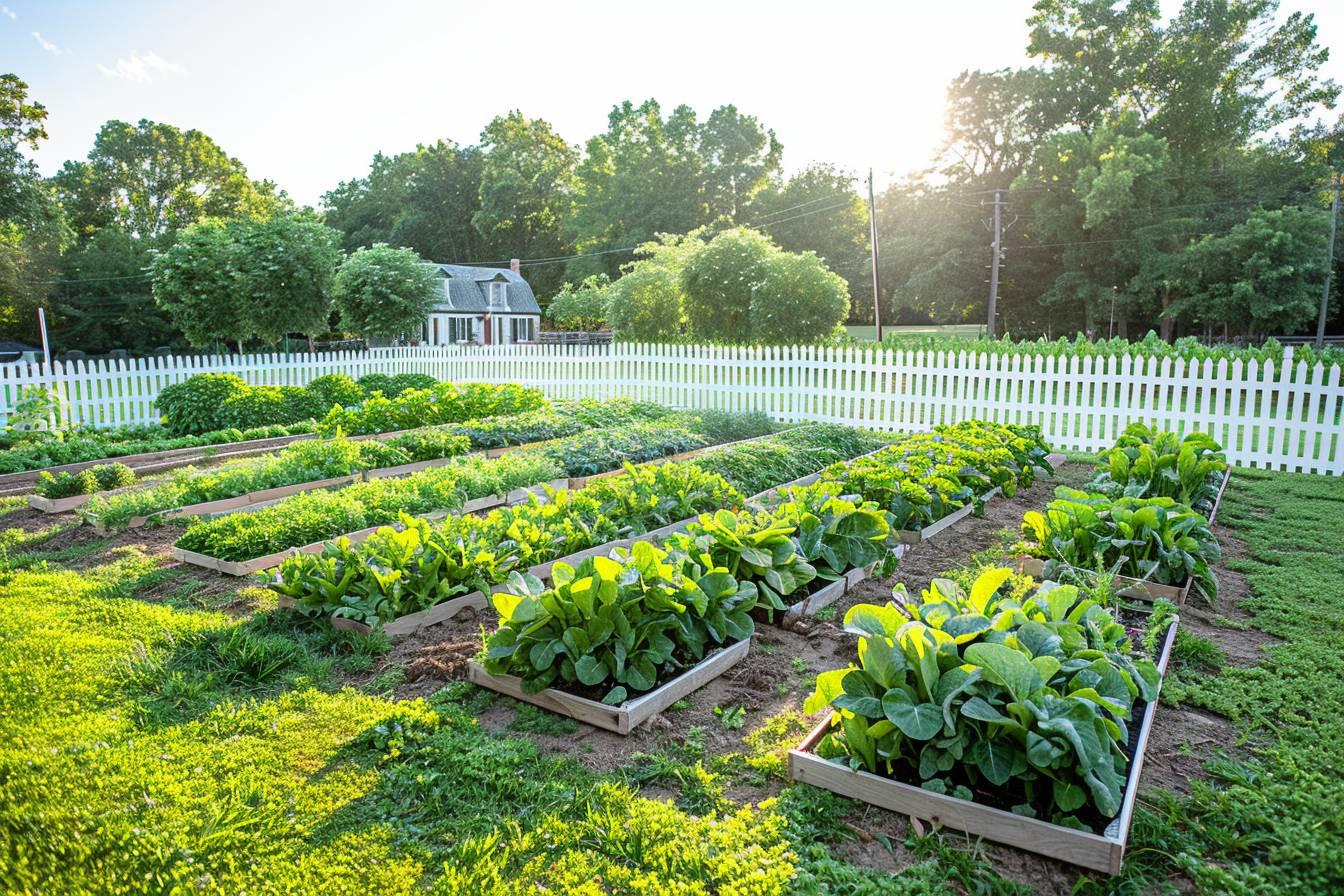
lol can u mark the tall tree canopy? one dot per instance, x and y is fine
(33, 228)
(150, 179)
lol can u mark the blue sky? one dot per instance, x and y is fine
(304, 93)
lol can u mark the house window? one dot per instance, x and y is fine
(499, 296)
(522, 329)
(459, 329)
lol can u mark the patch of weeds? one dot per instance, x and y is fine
(1199, 653)
(531, 719)
(769, 743)
(462, 698)
(1238, 625)
(826, 614)
(799, 665)
(683, 703)
(388, 680)
(12, 504)
(732, 717)
(814, 815)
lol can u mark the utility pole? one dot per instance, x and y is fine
(1335, 185)
(994, 265)
(872, 243)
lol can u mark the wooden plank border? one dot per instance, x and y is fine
(58, 505)
(626, 717)
(1100, 852)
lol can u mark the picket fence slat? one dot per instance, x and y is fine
(1283, 416)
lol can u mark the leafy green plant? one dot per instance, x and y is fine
(756, 547)
(1152, 539)
(97, 478)
(195, 405)
(834, 533)
(1146, 463)
(615, 627)
(964, 690)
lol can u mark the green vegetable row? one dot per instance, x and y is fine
(314, 461)
(97, 478)
(1146, 463)
(214, 401)
(440, 403)
(1137, 521)
(624, 624)
(313, 516)
(393, 573)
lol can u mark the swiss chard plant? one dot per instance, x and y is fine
(1151, 539)
(962, 692)
(837, 533)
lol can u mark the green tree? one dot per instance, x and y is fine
(719, 281)
(527, 181)
(248, 280)
(151, 179)
(581, 306)
(424, 200)
(818, 210)
(643, 176)
(104, 300)
(382, 291)
(740, 158)
(33, 229)
(646, 304)
(798, 301)
(1261, 278)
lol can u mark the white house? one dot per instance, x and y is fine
(486, 306)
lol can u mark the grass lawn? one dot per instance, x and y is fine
(868, 333)
(163, 733)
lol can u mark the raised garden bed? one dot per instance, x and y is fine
(405, 626)
(1099, 851)
(629, 715)
(257, 564)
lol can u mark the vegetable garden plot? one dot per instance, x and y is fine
(628, 715)
(1099, 851)
(267, 561)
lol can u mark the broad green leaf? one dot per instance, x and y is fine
(1007, 667)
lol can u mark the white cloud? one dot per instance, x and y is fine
(141, 68)
(6, 11)
(46, 44)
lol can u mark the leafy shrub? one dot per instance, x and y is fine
(617, 627)
(1145, 463)
(264, 405)
(798, 301)
(1153, 539)
(581, 306)
(195, 405)
(336, 389)
(392, 386)
(98, 478)
(977, 691)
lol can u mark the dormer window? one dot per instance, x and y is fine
(498, 296)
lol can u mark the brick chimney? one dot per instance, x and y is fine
(515, 265)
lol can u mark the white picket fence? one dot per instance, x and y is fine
(1287, 416)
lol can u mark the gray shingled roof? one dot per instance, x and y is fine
(466, 293)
